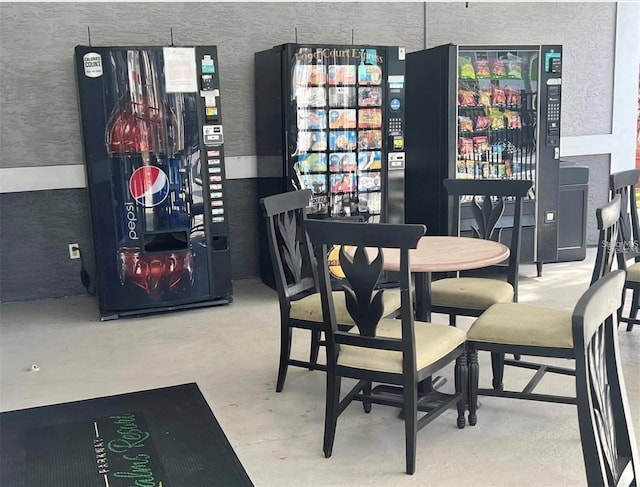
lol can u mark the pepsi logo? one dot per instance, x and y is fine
(149, 186)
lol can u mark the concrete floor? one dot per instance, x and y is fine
(232, 352)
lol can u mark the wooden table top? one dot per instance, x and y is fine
(445, 254)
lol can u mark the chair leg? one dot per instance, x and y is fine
(331, 412)
(366, 405)
(315, 348)
(633, 312)
(497, 365)
(410, 424)
(461, 384)
(472, 393)
(285, 352)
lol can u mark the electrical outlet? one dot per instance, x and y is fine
(74, 251)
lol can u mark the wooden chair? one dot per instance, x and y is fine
(524, 329)
(471, 296)
(297, 281)
(624, 184)
(388, 351)
(608, 444)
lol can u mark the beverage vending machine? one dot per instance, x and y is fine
(154, 153)
(330, 118)
(485, 112)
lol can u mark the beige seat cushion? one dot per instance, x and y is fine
(470, 292)
(633, 272)
(523, 324)
(310, 308)
(432, 343)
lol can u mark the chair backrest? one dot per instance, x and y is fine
(608, 443)
(607, 219)
(624, 183)
(487, 214)
(362, 271)
(291, 253)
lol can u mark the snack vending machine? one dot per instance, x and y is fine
(331, 118)
(154, 154)
(485, 112)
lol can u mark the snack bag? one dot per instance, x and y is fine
(480, 144)
(498, 96)
(497, 119)
(465, 148)
(466, 68)
(514, 66)
(465, 124)
(483, 122)
(484, 98)
(512, 97)
(482, 69)
(513, 119)
(498, 70)
(342, 119)
(466, 98)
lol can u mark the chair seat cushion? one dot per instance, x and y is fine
(470, 292)
(432, 343)
(633, 272)
(523, 324)
(309, 308)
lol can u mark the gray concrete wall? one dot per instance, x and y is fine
(39, 115)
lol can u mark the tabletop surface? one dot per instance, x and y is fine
(444, 254)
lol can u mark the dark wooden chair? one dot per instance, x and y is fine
(471, 296)
(524, 329)
(608, 444)
(624, 184)
(297, 280)
(389, 351)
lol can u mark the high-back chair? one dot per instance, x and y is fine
(297, 280)
(524, 329)
(471, 296)
(624, 184)
(609, 446)
(390, 351)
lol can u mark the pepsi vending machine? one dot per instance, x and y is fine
(154, 152)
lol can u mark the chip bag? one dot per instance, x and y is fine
(498, 70)
(466, 68)
(465, 124)
(465, 147)
(483, 122)
(497, 119)
(484, 98)
(466, 98)
(498, 96)
(513, 119)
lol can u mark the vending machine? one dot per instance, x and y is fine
(331, 118)
(485, 112)
(153, 143)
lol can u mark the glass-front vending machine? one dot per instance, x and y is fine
(485, 112)
(330, 118)
(153, 144)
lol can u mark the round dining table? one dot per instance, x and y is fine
(443, 254)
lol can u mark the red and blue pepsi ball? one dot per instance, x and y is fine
(149, 186)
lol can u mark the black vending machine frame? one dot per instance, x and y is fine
(432, 122)
(275, 116)
(94, 118)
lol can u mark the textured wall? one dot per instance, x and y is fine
(39, 115)
(37, 76)
(37, 226)
(586, 31)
